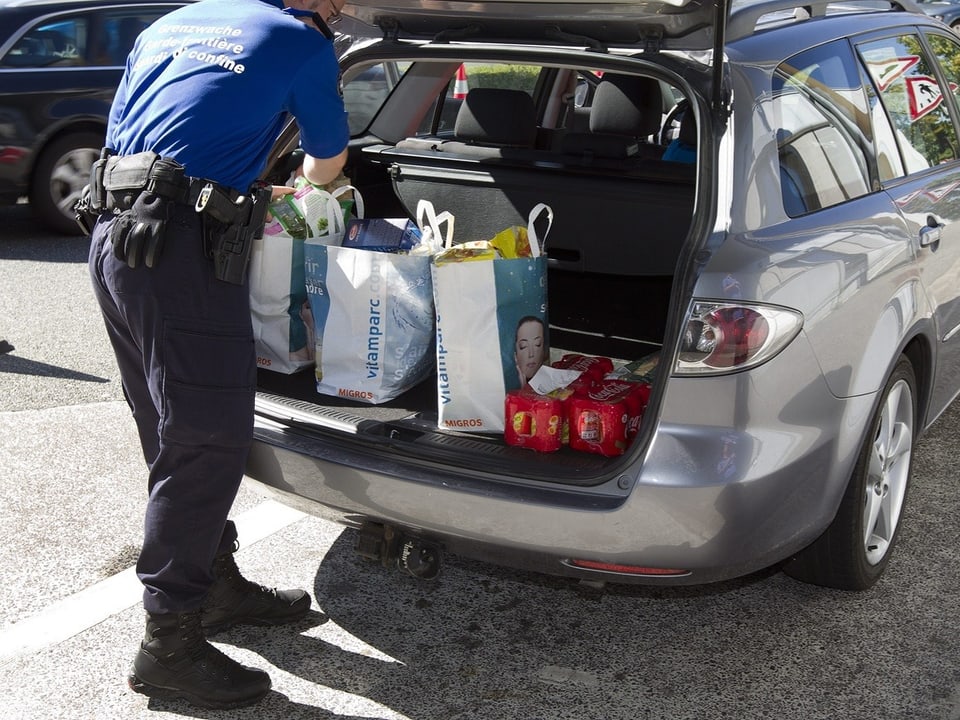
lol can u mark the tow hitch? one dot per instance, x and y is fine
(386, 545)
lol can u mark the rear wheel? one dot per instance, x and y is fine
(62, 170)
(854, 551)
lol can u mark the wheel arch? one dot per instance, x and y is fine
(71, 127)
(919, 351)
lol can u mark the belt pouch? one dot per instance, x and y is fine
(125, 176)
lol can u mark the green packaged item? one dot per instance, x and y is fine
(286, 212)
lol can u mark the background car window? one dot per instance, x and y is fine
(365, 93)
(115, 34)
(102, 38)
(825, 137)
(913, 99)
(53, 43)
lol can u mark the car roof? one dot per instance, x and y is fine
(39, 7)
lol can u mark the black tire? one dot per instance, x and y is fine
(62, 170)
(856, 548)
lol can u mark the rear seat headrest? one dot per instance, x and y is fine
(627, 105)
(497, 116)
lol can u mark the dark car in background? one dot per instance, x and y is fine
(946, 11)
(60, 64)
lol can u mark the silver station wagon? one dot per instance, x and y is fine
(763, 198)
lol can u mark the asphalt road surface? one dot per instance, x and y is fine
(477, 643)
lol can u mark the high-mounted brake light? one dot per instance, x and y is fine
(727, 337)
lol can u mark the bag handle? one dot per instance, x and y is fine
(430, 224)
(536, 244)
(329, 207)
(357, 198)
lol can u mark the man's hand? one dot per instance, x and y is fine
(278, 191)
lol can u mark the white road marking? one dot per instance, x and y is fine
(73, 614)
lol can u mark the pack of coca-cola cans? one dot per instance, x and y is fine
(598, 412)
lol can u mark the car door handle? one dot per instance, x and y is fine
(930, 233)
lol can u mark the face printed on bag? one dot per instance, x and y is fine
(529, 346)
(306, 314)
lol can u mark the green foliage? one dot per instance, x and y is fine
(510, 77)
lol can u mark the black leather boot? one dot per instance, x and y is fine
(175, 661)
(234, 600)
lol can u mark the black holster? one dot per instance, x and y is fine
(92, 202)
(230, 229)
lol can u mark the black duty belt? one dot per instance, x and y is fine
(117, 181)
(127, 186)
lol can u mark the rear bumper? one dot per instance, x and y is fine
(712, 531)
(725, 488)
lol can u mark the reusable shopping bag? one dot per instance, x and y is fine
(373, 314)
(279, 310)
(491, 314)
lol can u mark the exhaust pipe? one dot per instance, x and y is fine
(419, 558)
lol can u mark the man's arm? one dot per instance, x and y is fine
(321, 171)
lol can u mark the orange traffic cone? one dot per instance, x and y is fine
(460, 86)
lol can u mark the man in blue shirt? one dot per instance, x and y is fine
(207, 89)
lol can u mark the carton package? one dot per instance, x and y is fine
(535, 421)
(592, 369)
(605, 418)
(388, 235)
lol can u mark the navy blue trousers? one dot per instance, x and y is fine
(184, 346)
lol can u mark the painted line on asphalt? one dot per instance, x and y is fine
(72, 615)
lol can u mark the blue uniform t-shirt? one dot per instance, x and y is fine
(210, 85)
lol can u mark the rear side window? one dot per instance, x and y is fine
(100, 38)
(115, 33)
(55, 43)
(947, 51)
(913, 98)
(825, 137)
(469, 75)
(366, 92)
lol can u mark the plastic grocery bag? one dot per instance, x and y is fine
(491, 324)
(279, 310)
(373, 314)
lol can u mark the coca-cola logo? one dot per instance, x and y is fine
(609, 391)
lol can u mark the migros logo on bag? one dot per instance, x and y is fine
(464, 423)
(355, 394)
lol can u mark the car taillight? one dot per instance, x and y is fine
(728, 337)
